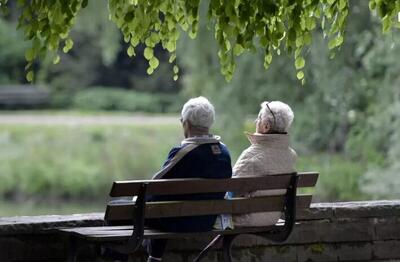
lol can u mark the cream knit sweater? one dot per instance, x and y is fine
(268, 154)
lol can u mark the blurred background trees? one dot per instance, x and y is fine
(347, 114)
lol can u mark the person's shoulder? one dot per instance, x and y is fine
(249, 153)
(224, 148)
(173, 151)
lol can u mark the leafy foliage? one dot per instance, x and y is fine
(98, 98)
(239, 26)
(349, 105)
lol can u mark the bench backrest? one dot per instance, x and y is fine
(126, 210)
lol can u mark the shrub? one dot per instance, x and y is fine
(112, 99)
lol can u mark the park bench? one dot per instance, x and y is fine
(23, 96)
(127, 238)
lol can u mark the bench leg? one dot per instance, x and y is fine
(72, 250)
(227, 246)
(208, 247)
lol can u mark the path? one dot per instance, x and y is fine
(60, 119)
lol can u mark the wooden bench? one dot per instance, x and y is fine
(23, 96)
(128, 238)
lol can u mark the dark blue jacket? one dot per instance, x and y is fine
(205, 161)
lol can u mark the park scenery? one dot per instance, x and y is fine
(103, 106)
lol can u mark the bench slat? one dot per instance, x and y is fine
(191, 186)
(118, 211)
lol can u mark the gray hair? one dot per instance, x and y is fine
(199, 112)
(279, 115)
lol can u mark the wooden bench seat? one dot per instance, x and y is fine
(128, 237)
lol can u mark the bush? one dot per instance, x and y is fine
(112, 99)
(339, 178)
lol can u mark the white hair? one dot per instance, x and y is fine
(279, 115)
(199, 112)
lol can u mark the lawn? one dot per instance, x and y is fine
(48, 169)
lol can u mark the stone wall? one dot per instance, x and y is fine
(349, 231)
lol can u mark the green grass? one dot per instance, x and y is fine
(60, 169)
(79, 161)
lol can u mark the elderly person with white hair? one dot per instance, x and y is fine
(269, 153)
(200, 155)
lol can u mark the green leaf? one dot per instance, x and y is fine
(148, 53)
(154, 62)
(131, 51)
(332, 43)
(172, 58)
(30, 54)
(299, 63)
(29, 76)
(299, 41)
(171, 46)
(56, 59)
(263, 41)
(386, 23)
(176, 69)
(237, 50)
(342, 4)
(339, 40)
(372, 5)
(68, 45)
(300, 75)
(268, 58)
(150, 71)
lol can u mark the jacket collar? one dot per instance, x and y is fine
(199, 140)
(270, 140)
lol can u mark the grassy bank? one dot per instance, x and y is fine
(70, 164)
(78, 161)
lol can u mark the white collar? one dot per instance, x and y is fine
(204, 139)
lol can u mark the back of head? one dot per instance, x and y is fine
(199, 112)
(278, 114)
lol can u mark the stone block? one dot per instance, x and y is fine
(387, 228)
(315, 212)
(357, 251)
(386, 249)
(325, 231)
(276, 254)
(31, 248)
(367, 209)
(317, 253)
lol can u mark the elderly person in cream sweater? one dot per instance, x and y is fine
(269, 153)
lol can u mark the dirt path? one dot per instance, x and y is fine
(59, 119)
